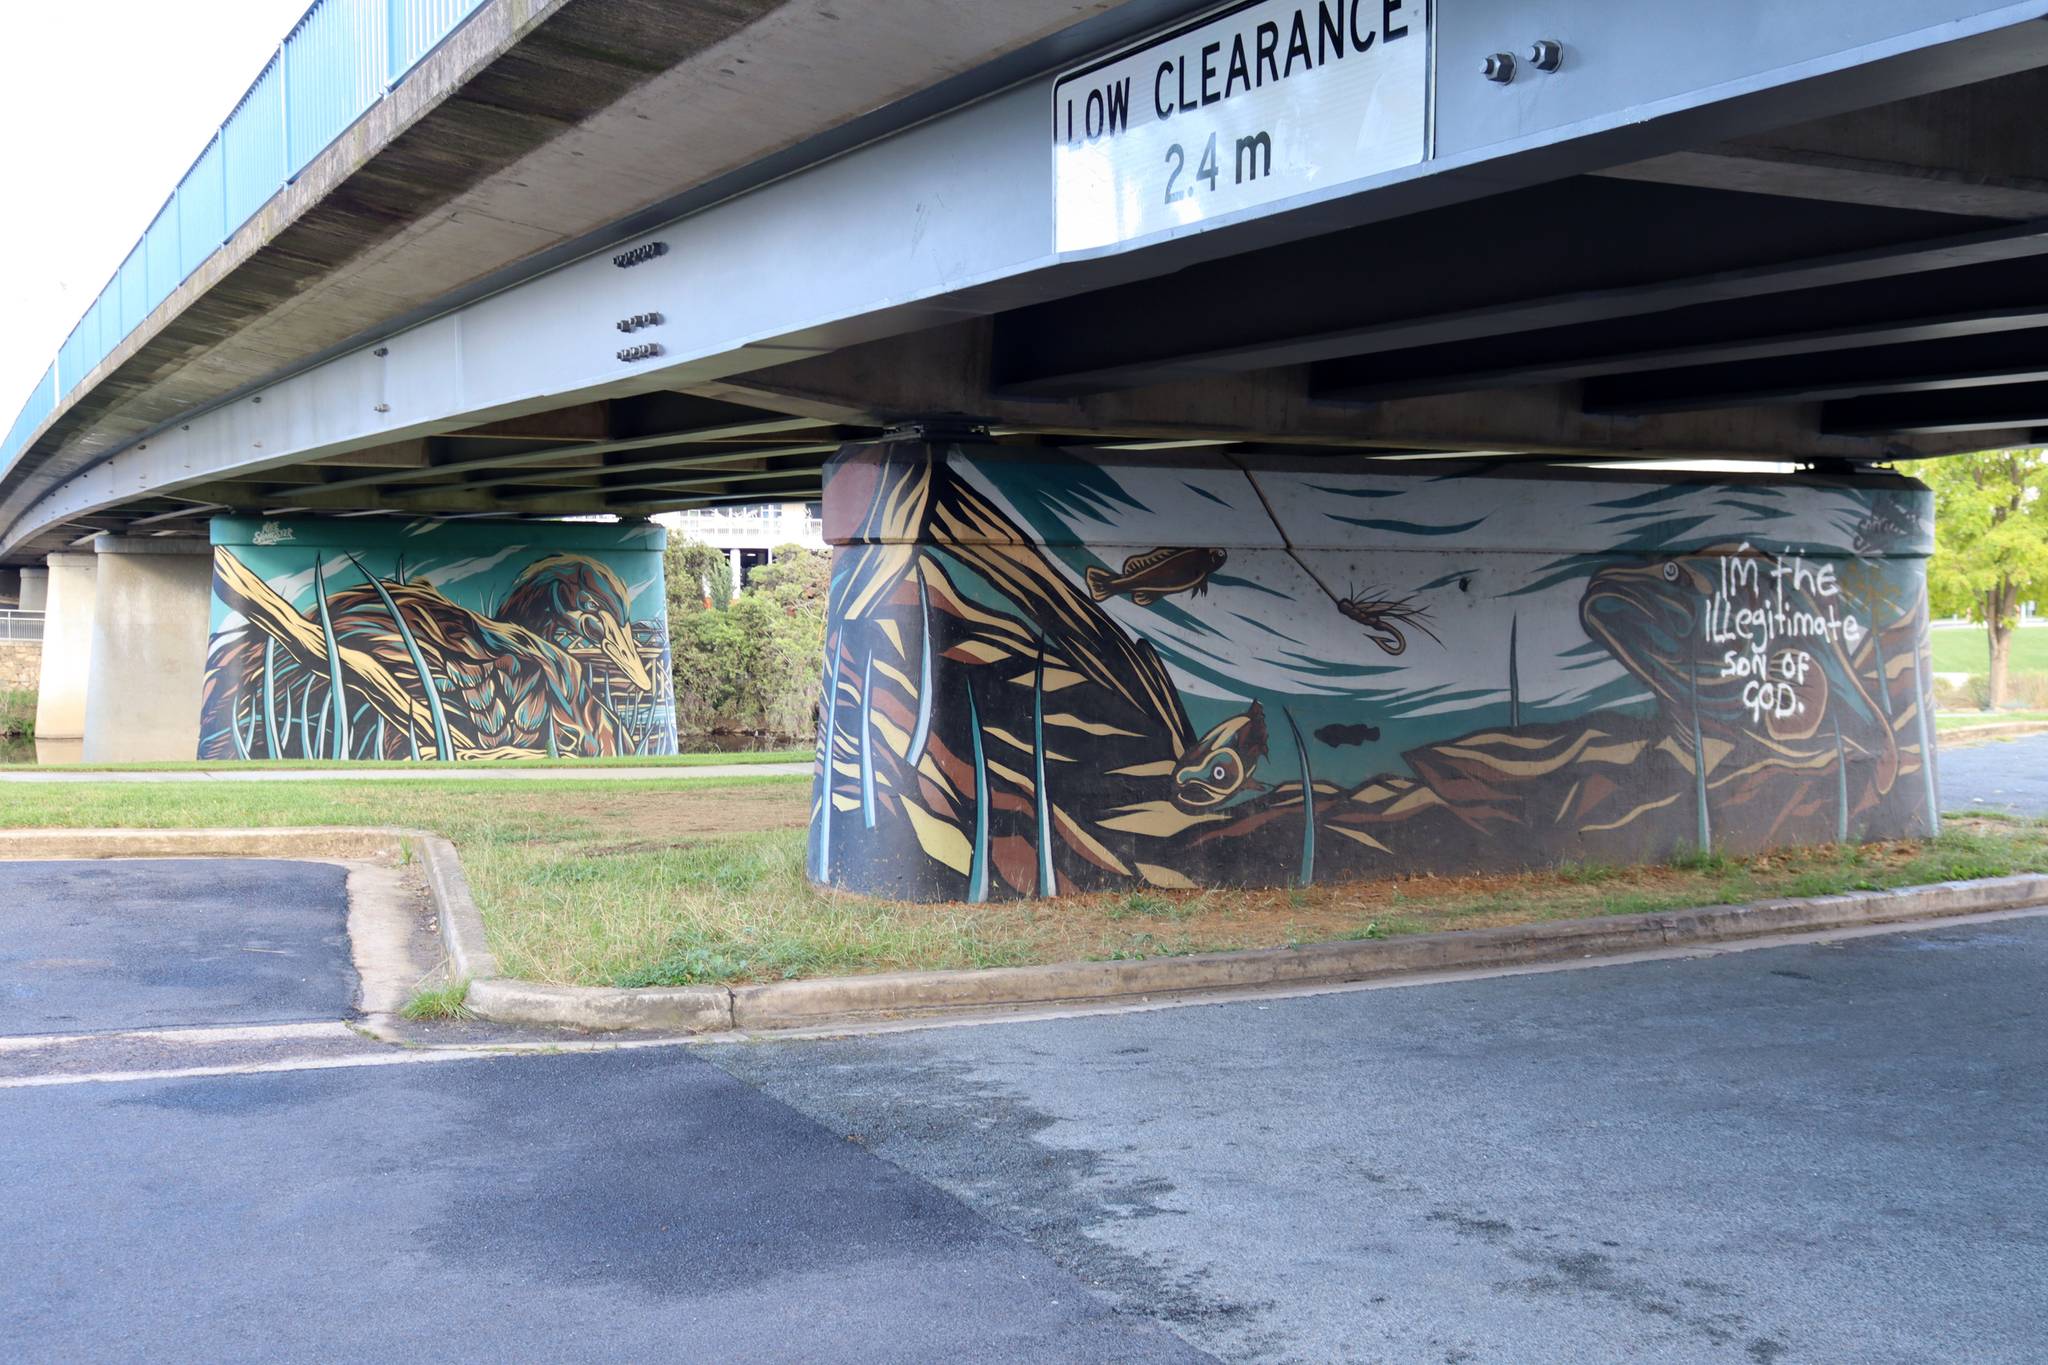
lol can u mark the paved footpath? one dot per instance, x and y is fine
(481, 772)
(2001, 774)
(210, 942)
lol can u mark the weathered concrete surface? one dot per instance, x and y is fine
(97, 945)
(35, 587)
(148, 649)
(67, 648)
(21, 665)
(1810, 1153)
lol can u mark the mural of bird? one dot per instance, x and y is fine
(558, 668)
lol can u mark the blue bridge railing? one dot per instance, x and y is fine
(338, 60)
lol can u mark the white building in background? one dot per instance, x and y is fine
(750, 534)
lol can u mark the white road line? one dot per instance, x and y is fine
(222, 1033)
(392, 1058)
(389, 1056)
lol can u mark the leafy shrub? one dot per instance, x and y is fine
(753, 664)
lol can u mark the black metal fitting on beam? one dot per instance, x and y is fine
(633, 256)
(937, 430)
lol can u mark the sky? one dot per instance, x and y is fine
(103, 106)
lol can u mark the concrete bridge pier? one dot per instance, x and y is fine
(35, 588)
(69, 579)
(1050, 671)
(147, 650)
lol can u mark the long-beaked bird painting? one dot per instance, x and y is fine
(386, 663)
(1052, 671)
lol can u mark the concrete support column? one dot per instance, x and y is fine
(1091, 670)
(149, 629)
(70, 580)
(35, 589)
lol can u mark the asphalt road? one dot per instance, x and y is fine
(1803, 1153)
(123, 944)
(620, 1206)
(2001, 774)
(1798, 1153)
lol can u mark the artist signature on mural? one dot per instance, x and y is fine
(270, 533)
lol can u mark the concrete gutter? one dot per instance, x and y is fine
(901, 995)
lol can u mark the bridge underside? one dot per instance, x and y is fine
(1786, 297)
(1844, 291)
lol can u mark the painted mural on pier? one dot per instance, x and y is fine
(432, 639)
(1054, 671)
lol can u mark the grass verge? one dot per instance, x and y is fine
(678, 881)
(295, 764)
(445, 1001)
(1967, 649)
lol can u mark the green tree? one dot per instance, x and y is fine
(796, 579)
(701, 648)
(695, 570)
(781, 623)
(1990, 543)
(752, 662)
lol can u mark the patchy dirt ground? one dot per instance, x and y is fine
(1155, 923)
(1151, 923)
(648, 820)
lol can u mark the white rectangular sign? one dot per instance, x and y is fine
(1266, 100)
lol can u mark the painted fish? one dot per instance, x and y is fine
(1220, 763)
(1156, 573)
(1343, 736)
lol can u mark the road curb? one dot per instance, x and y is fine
(798, 1004)
(508, 1000)
(855, 999)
